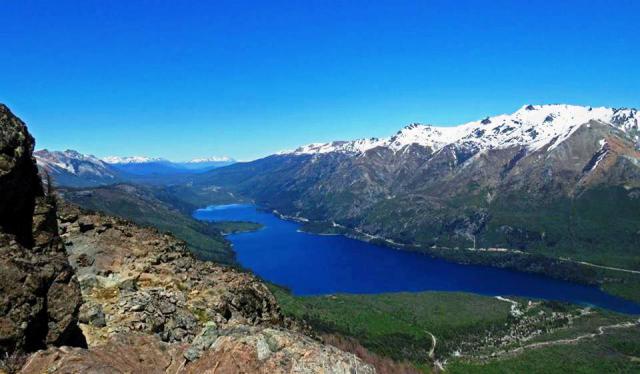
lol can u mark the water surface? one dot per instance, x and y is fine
(312, 264)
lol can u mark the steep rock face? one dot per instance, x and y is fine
(40, 295)
(18, 177)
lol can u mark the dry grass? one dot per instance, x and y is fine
(383, 365)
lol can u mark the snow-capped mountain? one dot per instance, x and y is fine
(141, 165)
(520, 180)
(354, 146)
(211, 159)
(532, 126)
(131, 159)
(144, 160)
(75, 169)
(205, 164)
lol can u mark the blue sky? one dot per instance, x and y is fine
(183, 79)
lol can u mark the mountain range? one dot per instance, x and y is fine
(560, 180)
(551, 189)
(74, 169)
(557, 180)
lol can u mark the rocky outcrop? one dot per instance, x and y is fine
(150, 306)
(274, 351)
(240, 349)
(19, 180)
(40, 296)
(138, 279)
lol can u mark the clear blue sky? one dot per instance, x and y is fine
(181, 79)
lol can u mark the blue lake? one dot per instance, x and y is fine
(311, 264)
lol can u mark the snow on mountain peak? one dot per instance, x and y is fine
(535, 126)
(72, 162)
(354, 146)
(130, 159)
(211, 159)
(532, 126)
(425, 135)
(144, 160)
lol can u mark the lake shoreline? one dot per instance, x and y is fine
(484, 258)
(502, 258)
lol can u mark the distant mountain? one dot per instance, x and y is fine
(71, 168)
(553, 179)
(146, 166)
(132, 160)
(143, 166)
(211, 159)
(205, 164)
(152, 206)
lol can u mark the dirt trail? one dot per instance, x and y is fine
(434, 341)
(515, 306)
(602, 266)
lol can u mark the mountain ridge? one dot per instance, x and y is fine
(518, 181)
(71, 168)
(526, 126)
(145, 159)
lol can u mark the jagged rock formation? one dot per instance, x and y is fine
(40, 295)
(18, 177)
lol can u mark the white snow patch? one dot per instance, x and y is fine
(211, 159)
(130, 159)
(603, 152)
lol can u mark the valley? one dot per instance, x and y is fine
(474, 333)
(504, 183)
(309, 264)
(320, 187)
(145, 206)
(455, 219)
